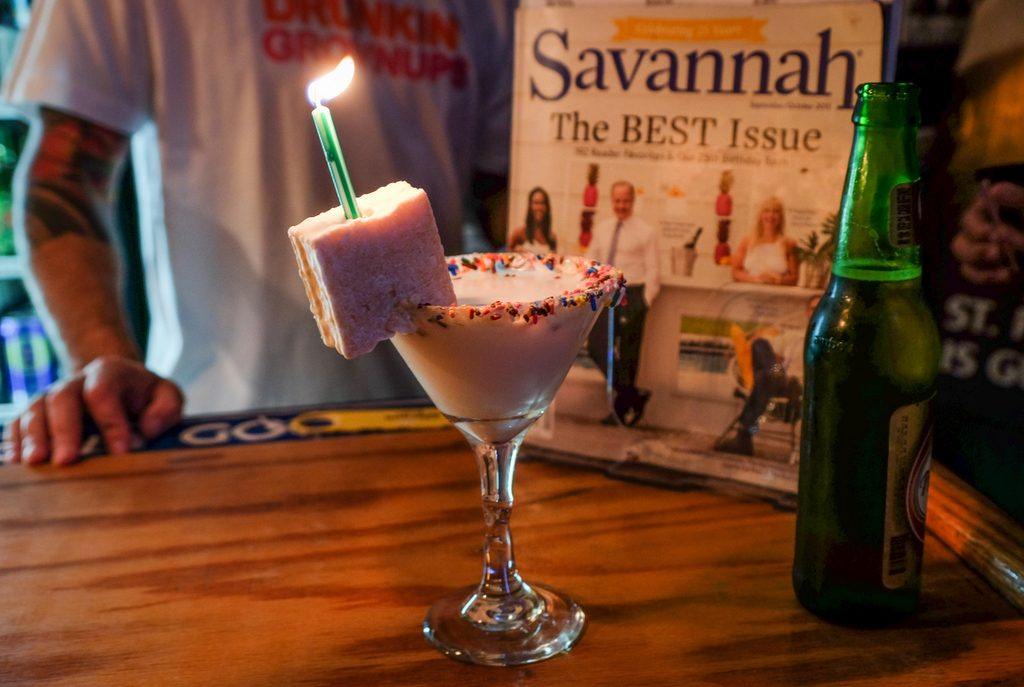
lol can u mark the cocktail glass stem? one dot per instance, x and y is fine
(502, 621)
(503, 601)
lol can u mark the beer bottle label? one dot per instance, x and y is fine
(905, 214)
(910, 445)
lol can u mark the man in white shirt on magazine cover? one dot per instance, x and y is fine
(629, 243)
(210, 97)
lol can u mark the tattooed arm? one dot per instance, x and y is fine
(69, 208)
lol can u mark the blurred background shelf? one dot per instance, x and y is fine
(10, 267)
(27, 360)
(8, 112)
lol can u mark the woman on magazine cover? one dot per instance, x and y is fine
(767, 256)
(535, 235)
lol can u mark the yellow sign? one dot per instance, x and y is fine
(682, 30)
(319, 422)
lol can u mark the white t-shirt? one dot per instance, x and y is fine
(227, 158)
(636, 252)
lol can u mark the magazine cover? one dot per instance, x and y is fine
(702, 150)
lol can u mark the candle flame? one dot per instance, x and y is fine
(331, 84)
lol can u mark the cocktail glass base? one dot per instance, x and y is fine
(468, 626)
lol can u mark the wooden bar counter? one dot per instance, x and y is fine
(312, 563)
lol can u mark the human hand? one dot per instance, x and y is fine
(770, 278)
(118, 393)
(987, 246)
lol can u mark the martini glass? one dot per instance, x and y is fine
(492, 364)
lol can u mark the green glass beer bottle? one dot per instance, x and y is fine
(870, 361)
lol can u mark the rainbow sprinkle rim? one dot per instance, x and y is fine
(597, 283)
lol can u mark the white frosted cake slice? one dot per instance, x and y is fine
(365, 277)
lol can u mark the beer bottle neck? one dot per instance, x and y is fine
(879, 217)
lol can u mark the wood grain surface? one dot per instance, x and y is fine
(312, 563)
